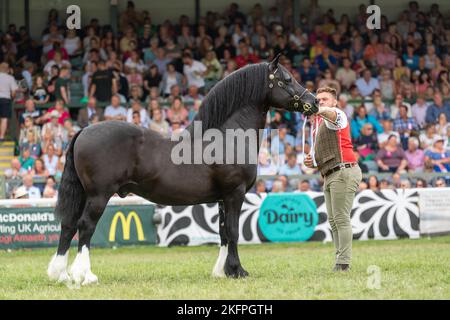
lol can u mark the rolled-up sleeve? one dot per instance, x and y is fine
(340, 123)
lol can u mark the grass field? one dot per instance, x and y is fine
(409, 269)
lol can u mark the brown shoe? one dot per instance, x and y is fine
(341, 267)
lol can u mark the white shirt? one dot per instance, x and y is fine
(7, 85)
(192, 78)
(382, 137)
(110, 111)
(145, 121)
(341, 121)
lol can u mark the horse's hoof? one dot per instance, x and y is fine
(89, 278)
(238, 273)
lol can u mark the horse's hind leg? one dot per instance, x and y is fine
(233, 203)
(218, 270)
(57, 269)
(81, 267)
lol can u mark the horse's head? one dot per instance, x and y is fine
(286, 93)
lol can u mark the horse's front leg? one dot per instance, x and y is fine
(233, 203)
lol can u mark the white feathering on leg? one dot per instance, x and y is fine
(218, 270)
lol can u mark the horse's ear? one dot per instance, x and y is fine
(273, 65)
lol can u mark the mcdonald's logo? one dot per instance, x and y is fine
(126, 225)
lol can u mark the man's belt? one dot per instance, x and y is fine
(339, 167)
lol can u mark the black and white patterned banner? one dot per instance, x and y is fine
(388, 214)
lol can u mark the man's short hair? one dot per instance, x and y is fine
(329, 90)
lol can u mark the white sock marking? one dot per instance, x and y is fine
(57, 268)
(81, 268)
(218, 270)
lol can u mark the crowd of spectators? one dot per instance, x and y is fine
(392, 82)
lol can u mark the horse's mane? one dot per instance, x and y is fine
(243, 87)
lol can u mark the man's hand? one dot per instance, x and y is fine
(308, 161)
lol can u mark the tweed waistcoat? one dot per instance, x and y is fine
(326, 148)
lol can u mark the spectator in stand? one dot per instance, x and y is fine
(72, 44)
(437, 156)
(194, 71)
(50, 159)
(260, 187)
(103, 83)
(291, 167)
(419, 111)
(192, 95)
(399, 101)
(29, 126)
(411, 59)
(50, 188)
(26, 161)
(170, 78)
(421, 183)
(115, 111)
(427, 139)
(442, 125)
(177, 112)
(56, 61)
(158, 123)
(392, 158)
(39, 169)
(345, 74)
(360, 118)
(303, 186)
(436, 108)
(387, 85)
(415, 156)
(58, 110)
(440, 183)
(328, 81)
(32, 145)
(143, 116)
(373, 183)
(161, 61)
(367, 84)
(85, 114)
(405, 126)
(326, 60)
(39, 91)
(307, 71)
(61, 85)
(8, 89)
(32, 191)
(214, 69)
(378, 109)
(366, 143)
(152, 79)
(345, 106)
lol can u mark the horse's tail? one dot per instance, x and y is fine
(71, 194)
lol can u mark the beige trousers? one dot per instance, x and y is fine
(339, 189)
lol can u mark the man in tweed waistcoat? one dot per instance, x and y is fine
(333, 154)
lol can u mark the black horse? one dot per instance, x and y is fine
(118, 157)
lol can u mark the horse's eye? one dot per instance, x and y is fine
(288, 80)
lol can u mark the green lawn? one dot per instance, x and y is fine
(409, 269)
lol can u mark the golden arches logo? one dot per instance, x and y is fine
(126, 225)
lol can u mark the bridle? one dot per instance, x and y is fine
(295, 102)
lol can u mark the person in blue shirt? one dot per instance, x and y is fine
(307, 71)
(438, 156)
(410, 59)
(360, 118)
(278, 142)
(326, 60)
(438, 107)
(291, 167)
